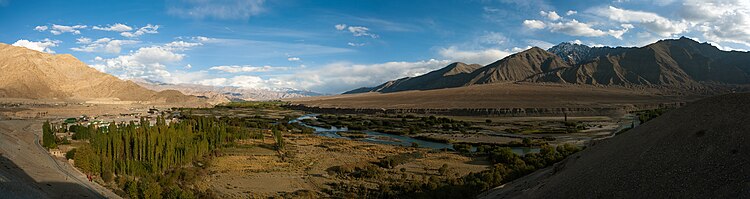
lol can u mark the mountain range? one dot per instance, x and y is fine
(681, 63)
(221, 94)
(32, 74)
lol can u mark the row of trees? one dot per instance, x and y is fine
(148, 161)
(139, 149)
(48, 135)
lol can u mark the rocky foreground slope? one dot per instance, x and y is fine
(698, 151)
(676, 64)
(30, 74)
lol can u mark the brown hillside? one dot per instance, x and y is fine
(35, 75)
(677, 64)
(698, 151)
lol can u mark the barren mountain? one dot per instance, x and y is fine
(35, 75)
(678, 64)
(453, 75)
(513, 68)
(221, 94)
(698, 151)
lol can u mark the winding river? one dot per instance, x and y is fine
(390, 139)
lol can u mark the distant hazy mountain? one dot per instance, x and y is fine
(25, 73)
(221, 94)
(673, 63)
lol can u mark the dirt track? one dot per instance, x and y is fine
(28, 171)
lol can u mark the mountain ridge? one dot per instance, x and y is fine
(681, 64)
(36, 75)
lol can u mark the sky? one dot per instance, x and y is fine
(334, 46)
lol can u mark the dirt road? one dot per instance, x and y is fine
(28, 171)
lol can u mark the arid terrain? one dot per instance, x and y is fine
(261, 172)
(509, 99)
(698, 151)
(29, 170)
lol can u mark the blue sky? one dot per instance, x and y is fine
(334, 46)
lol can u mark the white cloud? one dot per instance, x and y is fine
(576, 42)
(188, 66)
(534, 24)
(551, 15)
(492, 38)
(650, 21)
(342, 76)
(41, 46)
(247, 68)
(340, 26)
(219, 9)
(118, 27)
(146, 62)
(60, 29)
(720, 20)
(293, 59)
(355, 44)
(359, 31)
(203, 39)
(150, 29)
(482, 57)
(213, 82)
(40, 28)
(83, 40)
(539, 43)
(107, 45)
(618, 33)
(575, 28)
(571, 12)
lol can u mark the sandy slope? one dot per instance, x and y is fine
(35, 75)
(698, 151)
(29, 172)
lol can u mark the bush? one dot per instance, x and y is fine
(395, 160)
(462, 148)
(70, 154)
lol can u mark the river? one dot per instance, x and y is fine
(390, 139)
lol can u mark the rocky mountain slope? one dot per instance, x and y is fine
(35, 75)
(221, 94)
(681, 64)
(705, 156)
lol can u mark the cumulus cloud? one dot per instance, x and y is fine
(247, 68)
(146, 62)
(537, 43)
(41, 46)
(492, 38)
(107, 45)
(342, 76)
(60, 29)
(650, 21)
(41, 28)
(357, 31)
(534, 24)
(571, 12)
(218, 9)
(551, 15)
(148, 29)
(485, 56)
(118, 27)
(340, 26)
(575, 28)
(293, 59)
(720, 20)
